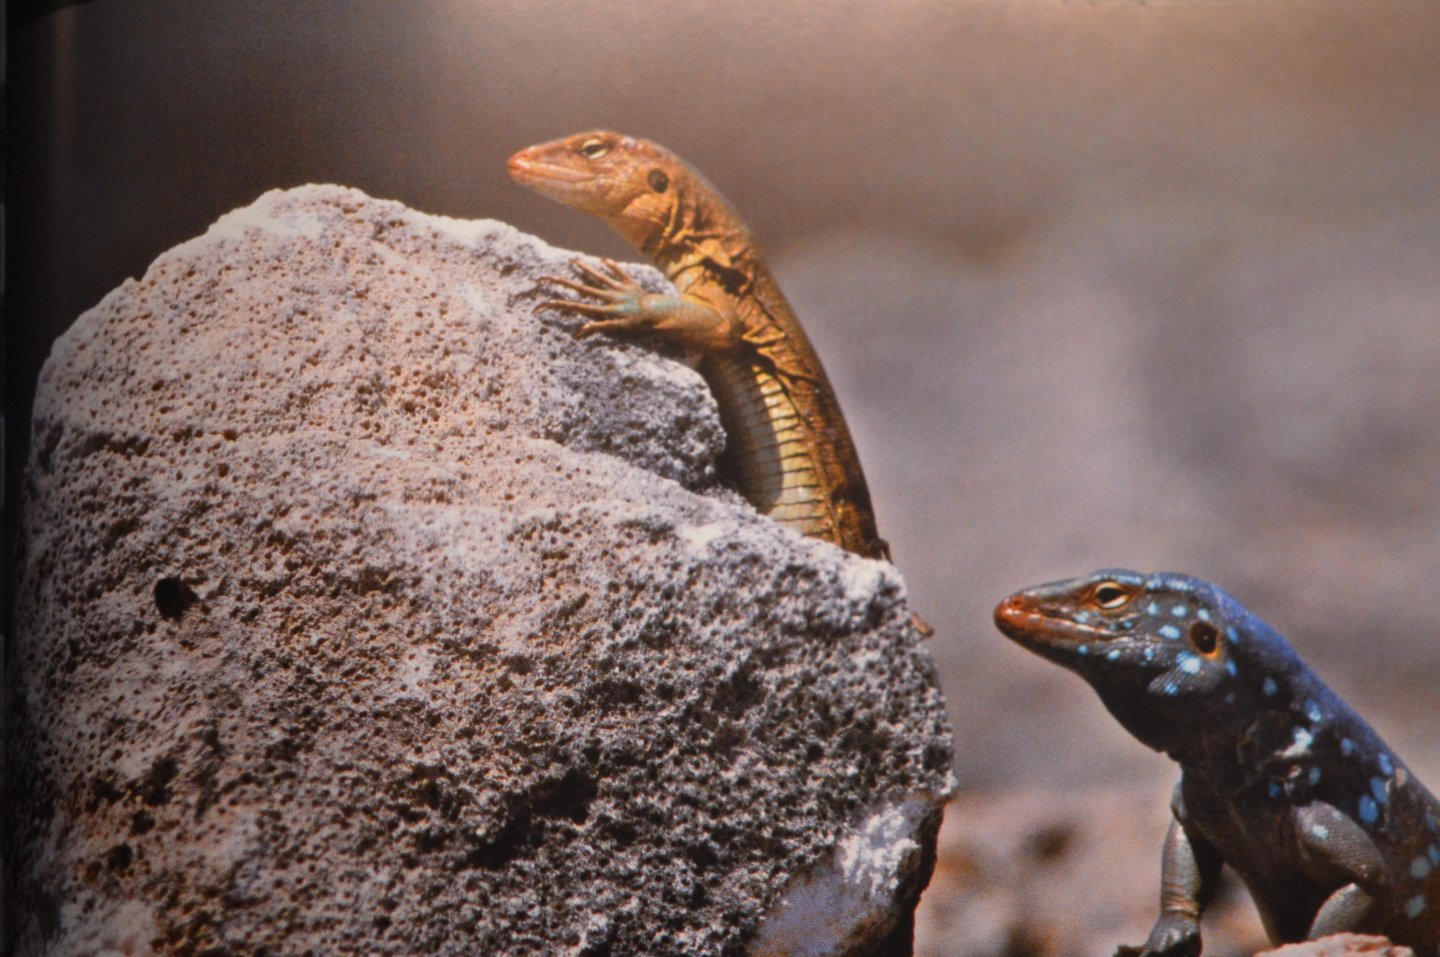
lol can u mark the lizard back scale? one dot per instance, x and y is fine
(788, 449)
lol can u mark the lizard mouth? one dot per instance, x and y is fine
(1027, 624)
(527, 169)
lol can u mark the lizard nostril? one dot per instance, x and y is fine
(1012, 609)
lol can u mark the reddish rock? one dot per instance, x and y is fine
(1343, 945)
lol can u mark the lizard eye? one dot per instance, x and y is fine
(659, 182)
(1204, 638)
(594, 148)
(1109, 595)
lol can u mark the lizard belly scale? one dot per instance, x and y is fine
(768, 453)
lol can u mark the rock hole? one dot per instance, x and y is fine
(568, 798)
(565, 798)
(937, 756)
(48, 445)
(118, 858)
(507, 844)
(619, 692)
(173, 598)
(155, 789)
(703, 856)
(599, 948)
(739, 693)
(104, 790)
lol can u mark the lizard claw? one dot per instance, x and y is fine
(624, 324)
(1172, 936)
(617, 271)
(558, 305)
(591, 273)
(922, 627)
(614, 280)
(569, 284)
(593, 309)
(612, 294)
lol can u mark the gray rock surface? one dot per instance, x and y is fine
(360, 611)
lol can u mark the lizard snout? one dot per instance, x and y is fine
(1013, 615)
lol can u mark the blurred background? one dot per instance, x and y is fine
(1098, 283)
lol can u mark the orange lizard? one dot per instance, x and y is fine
(788, 450)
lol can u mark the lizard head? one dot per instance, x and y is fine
(1169, 655)
(632, 184)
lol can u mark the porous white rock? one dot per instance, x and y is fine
(361, 611)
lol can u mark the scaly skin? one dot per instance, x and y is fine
(788, 449)
(1279, 778)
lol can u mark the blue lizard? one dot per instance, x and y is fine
(1279, 778)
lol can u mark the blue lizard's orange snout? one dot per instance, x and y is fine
(1023, 619)
(1011, 613)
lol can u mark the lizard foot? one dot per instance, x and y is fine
(615, 303)
(1171, 937)
(611, 299)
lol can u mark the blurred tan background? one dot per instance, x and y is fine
(1107, 283)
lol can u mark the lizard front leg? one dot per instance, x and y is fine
(1189, 870)
(616, 303)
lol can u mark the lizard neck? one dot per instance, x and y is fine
(1277, 740)
(704, 248)
(1215, 759)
